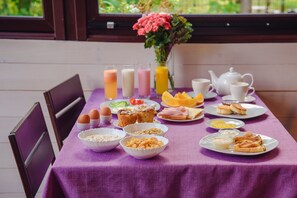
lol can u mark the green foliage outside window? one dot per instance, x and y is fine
(195, 6)
(21, 8)
(34, 7)
(224, 6)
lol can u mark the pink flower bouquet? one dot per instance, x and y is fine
(162, 31)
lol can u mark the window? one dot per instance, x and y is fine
(214, 21)
(31, 19)
(198, 6)
(21, 8)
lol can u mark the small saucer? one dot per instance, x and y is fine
(246, 99)
(208, 96)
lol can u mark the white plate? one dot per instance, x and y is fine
(208, 96)
(246, 99)
(164, 105)
(268, 142)
(115, 110)
(238, 123)
(252, 111)
(115, 123)
(198, 118)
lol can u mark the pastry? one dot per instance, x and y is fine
(237, 108)
(224, 109)
(248, 143)
(126, 117)
(248, 136)
(238, 148)
(145, 113)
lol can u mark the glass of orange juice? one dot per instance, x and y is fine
(161, 79)
(110, 83)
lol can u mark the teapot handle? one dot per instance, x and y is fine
(251, 76)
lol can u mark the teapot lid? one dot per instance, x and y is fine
(232, 72)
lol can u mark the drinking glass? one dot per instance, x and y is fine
(128, 81)
(110, 83)
(144, 81)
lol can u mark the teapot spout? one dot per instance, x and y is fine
(214, 78)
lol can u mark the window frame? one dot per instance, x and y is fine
(49, 26)
(239, 28)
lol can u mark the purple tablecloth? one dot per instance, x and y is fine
(183, 169)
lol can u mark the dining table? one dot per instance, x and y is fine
(183, 169)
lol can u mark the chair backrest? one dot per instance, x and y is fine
(64, 103)
(32, 149)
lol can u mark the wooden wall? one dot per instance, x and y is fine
(29, 67)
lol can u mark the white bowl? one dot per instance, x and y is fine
(229, 132)
(132, 128)
(144, 153)
(99, 145)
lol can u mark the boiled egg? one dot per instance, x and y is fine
(94, 114)
(83, 118)
(105, 111)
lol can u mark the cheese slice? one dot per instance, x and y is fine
(194, 112)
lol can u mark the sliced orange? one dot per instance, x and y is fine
(169, 100)
(182, 95)
(178, 95)
(181, 99)
(199, 98)
(186, 102)
(186, 96)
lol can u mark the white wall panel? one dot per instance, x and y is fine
(7, 124)
(10, 181)
(266, 77)
(237, 54)
(72, 52)
(18, 103)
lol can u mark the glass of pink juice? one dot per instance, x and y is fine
(144, 82)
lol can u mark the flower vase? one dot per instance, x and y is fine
(170, 65)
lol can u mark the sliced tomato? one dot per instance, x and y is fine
(132, 101)
(139, 101)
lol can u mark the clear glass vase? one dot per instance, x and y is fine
(170, 65)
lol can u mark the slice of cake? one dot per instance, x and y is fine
(145, 113)
(126, 117)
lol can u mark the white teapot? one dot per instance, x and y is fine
(222, 84)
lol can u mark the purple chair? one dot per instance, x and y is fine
(65, 102)
(32, 149)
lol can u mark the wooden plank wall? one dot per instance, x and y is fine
(29, 67)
